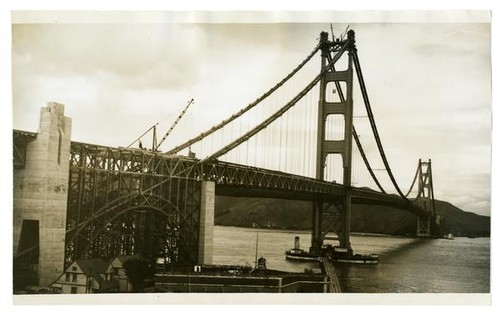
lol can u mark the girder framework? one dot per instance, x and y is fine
(226, 174)
(230, 174)
(118, 198)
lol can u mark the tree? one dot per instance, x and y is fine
(137, 270)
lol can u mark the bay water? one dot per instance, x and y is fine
(406, 265)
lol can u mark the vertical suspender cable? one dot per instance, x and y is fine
(282, 110)
(247, 108)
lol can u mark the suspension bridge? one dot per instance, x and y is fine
(78, 200)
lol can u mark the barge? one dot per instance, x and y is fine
(241, 279)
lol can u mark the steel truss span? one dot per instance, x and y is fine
(117, 197)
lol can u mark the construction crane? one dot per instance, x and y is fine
(156, 145)
(155, 148)
(143, 134)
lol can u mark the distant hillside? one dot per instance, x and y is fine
(456, 221)
(291, 214)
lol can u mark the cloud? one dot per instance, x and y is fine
(139, 55)
(429, 85)
(456, 41)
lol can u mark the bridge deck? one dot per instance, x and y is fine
(231, 179)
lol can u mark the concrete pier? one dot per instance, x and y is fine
(207, 209)
(41, 193)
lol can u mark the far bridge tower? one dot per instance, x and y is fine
(425, 200)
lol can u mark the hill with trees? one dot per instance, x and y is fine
(292, 214)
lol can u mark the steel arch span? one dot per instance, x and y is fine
(118, 193)
(141, 224)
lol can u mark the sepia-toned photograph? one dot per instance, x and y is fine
(236, 152)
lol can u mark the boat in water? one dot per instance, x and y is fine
(449, 236)
(297, 254)
(301, 255)
(344, 255)
(356, 259)
(334, 254)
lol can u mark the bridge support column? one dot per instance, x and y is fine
(207, 209)
(330, 112)
(317, 223)
(423, 227)
(345, 236)
(426, 224)
(41, 194)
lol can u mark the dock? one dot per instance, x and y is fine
(329, 270)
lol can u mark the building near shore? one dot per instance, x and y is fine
(86, 276)
(94, 276)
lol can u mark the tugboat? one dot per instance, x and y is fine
(297, 254)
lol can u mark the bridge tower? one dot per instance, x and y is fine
(40, 196)
(326, 146)
(425, 200)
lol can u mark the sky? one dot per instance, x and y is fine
(429, 83)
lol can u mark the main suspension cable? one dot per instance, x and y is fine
(247, 108)
(372, 122)
(281, 111)
(431, 183)
(365, 159)
(355, 134)
(413, 183)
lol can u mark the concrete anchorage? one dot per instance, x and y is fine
(41, 191)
